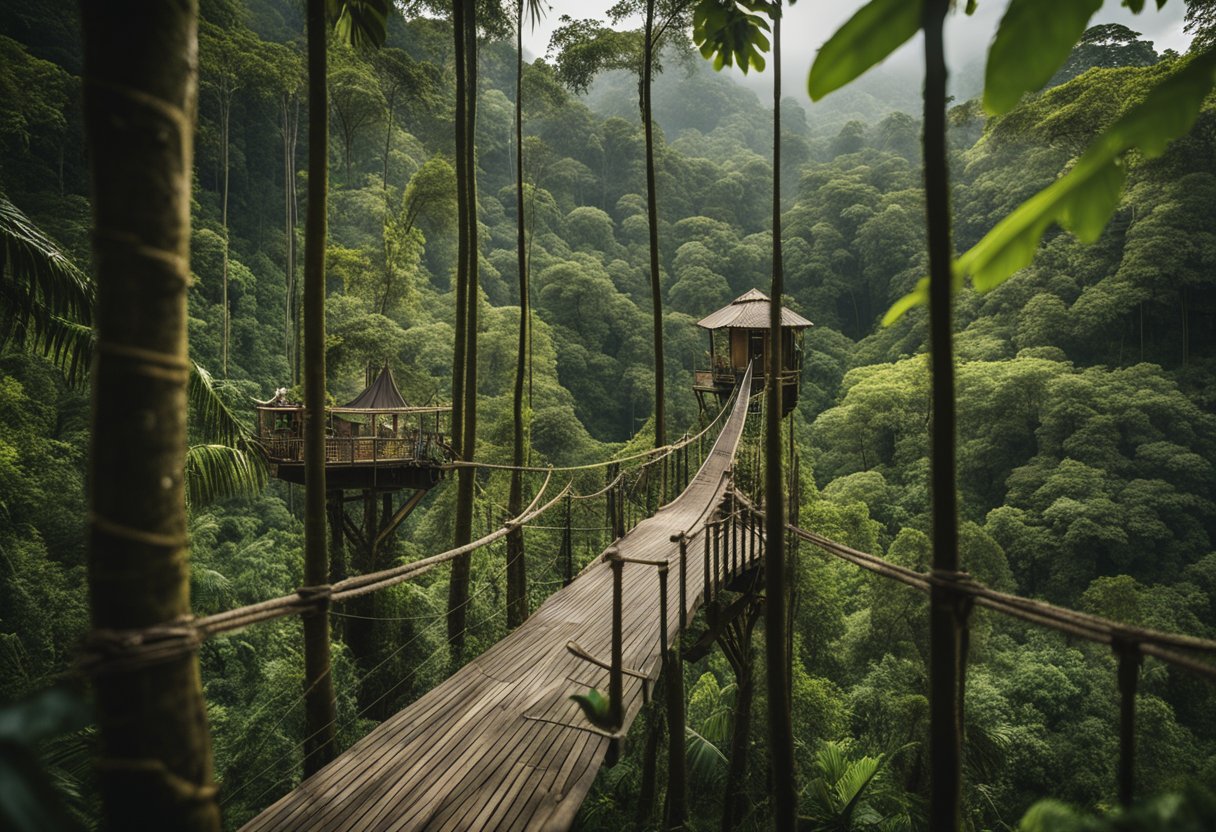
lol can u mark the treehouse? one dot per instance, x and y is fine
(739, 335)
(374, 442)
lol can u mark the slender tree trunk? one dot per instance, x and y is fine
(944, 752)
(677, 778)
(140, 98)
(225, 113)
(650, 756)
(319, 706)
(458, 586)
(517, 572)
(652, 214)
(777, 658)
(734, 799)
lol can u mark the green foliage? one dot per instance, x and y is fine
(1033, 40)
(867, 38)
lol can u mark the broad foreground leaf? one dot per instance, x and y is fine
(1083, 200)
(877, 30)
(1033, 41)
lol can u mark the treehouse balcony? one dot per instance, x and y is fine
(377, 441)
(739, 336)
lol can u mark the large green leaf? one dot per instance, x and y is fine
(1032, 42)
(877, 30)
(359, 23)
(1083, 200)
(214, 472)
(730, 35)
(46, 301)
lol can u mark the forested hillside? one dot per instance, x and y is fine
(1086, 392)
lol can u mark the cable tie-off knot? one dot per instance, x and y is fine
(110, 651)
(952, 580)
(316, 596)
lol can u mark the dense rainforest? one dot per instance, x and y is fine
(1086, 388)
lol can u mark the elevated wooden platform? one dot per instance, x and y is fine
(499, 745)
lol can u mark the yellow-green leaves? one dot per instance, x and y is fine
(1083, 200)
(1034, 39)
(730, 35)
(877, 30)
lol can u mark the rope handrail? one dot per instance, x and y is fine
(658, 453)
(353, 587)
(1041, 613)
(151, 644)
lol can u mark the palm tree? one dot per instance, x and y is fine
(835, 798)
(517, 573)
(139, 102)
(46, 301)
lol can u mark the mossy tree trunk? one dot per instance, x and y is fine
(319, 706)
(458, 587)
(652, 216)
(140, 101)
(517, 572)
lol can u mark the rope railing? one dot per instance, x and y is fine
(1068, 621)
(658, 453)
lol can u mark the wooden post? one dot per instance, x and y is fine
(677, 780)
(1129, 677)
(717, 554)
(663, 612)
(683, 541)
(616, 713)
(568, 542)
(610, 499)
(707, 533)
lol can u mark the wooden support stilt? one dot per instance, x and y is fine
(1129, 677)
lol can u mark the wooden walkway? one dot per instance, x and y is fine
(499, 745)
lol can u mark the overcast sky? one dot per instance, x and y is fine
(809, 23)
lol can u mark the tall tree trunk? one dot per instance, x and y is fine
(734, 797)
(289, 224)
(225, 113)
(944, 652)
(652, 214)
(517, 572)
(465, 25)
(319, 706)
(140, 99)
(776, 654)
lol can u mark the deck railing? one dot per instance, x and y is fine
(361, 450)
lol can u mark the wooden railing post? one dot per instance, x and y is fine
(1129, 677)
(673, 674)
(683, 541)
(616, 713)
(707, 532)
(568, 542)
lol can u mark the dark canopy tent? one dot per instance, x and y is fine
(382, 394)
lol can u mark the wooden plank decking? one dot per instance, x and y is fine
(499, 745)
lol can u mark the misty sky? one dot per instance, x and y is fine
(809, 23)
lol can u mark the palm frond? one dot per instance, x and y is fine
(210, 415)
(214, 472)
(706, 762)
(46, 301)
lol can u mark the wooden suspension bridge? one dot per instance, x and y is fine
(500, 744)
